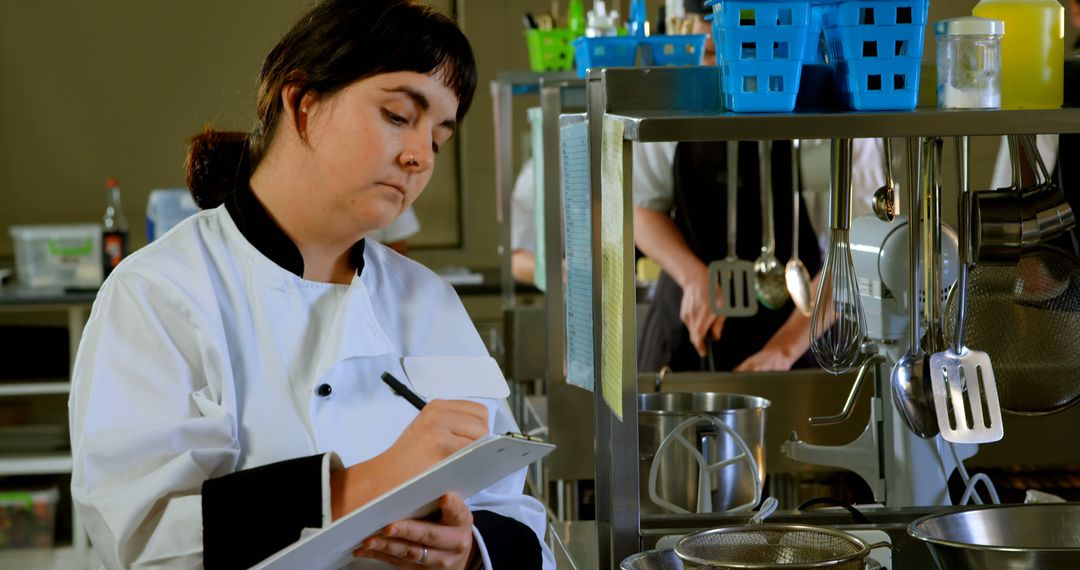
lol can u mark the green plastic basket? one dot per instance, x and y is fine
(550, 50)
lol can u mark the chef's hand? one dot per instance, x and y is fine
(768, 359)
(447, 543)
(695, 312)
(441, 429)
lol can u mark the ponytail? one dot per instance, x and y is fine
(217, 162)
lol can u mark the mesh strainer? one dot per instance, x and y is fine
(778, 546)
(1026, 317)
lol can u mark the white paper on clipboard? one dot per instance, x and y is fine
(467, 472)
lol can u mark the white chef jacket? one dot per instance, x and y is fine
(202, 357)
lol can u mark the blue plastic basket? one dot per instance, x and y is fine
(760, 46)
(672, 50)
(760, 86)
(605, 51)
(812, 53)
(877, 47)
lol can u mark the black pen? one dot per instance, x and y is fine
(403, 391)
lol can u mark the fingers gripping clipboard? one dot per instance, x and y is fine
(467, 472)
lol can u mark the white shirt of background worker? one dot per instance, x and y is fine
(401, 229)
(654, 186)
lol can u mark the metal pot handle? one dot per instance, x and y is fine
(705, 469)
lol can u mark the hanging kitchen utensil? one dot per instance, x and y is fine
(769, 283)
(1044, 181)
(934, 339)
(1010, 223)
(911, 389)
(958, 371)
(1027, 317)
(795, 273)
(1036, 298)
(731, 280)
(885, 197)
(838, 325)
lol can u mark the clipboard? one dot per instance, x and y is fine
(467, 472)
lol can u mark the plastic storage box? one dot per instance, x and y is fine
(165, 208)
(661, 50)
(28, 518)
(760, 47)
(58, 255)
(605, 51)
(550, 50)
(877, 47)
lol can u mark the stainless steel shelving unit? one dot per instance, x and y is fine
(76, 306)
(522, 340)
(681, 104)
(570, 416)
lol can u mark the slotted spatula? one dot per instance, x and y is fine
(731, 280)
(960, 371)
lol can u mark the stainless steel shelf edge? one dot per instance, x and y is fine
(656, 126)
(43, 464)
(34, 388)
(684, 104)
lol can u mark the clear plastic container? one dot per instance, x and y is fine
(969, 63)
(58, 255)
(165, 208)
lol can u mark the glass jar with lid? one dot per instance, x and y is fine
(969, 63)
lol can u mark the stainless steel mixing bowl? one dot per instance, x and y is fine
(656, 560)
(1008, 537)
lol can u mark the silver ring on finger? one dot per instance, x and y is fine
(423, 557)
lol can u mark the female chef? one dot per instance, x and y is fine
(227, 391)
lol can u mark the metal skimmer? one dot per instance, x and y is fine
(731, 280)
(775, 546)
(965, 392)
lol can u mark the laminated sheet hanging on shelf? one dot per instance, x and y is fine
(536, 120)
(612, 250)
(578, 238)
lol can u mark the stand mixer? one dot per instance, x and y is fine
(900, 468)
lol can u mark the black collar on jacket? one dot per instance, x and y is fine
(262, 231)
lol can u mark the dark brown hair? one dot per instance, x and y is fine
(334, 44)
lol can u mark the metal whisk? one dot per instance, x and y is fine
(838, 326)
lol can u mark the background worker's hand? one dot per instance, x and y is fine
(447, 543)
(696, 313)
(441, 429)
(768, 359)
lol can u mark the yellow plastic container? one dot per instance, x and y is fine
(1032, 51)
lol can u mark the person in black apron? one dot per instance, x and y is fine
(699, 213)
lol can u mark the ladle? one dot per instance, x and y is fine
(768, 273)
(795, 273)
(911, 388)
(885, 197)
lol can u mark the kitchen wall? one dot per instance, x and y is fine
(115, 88)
